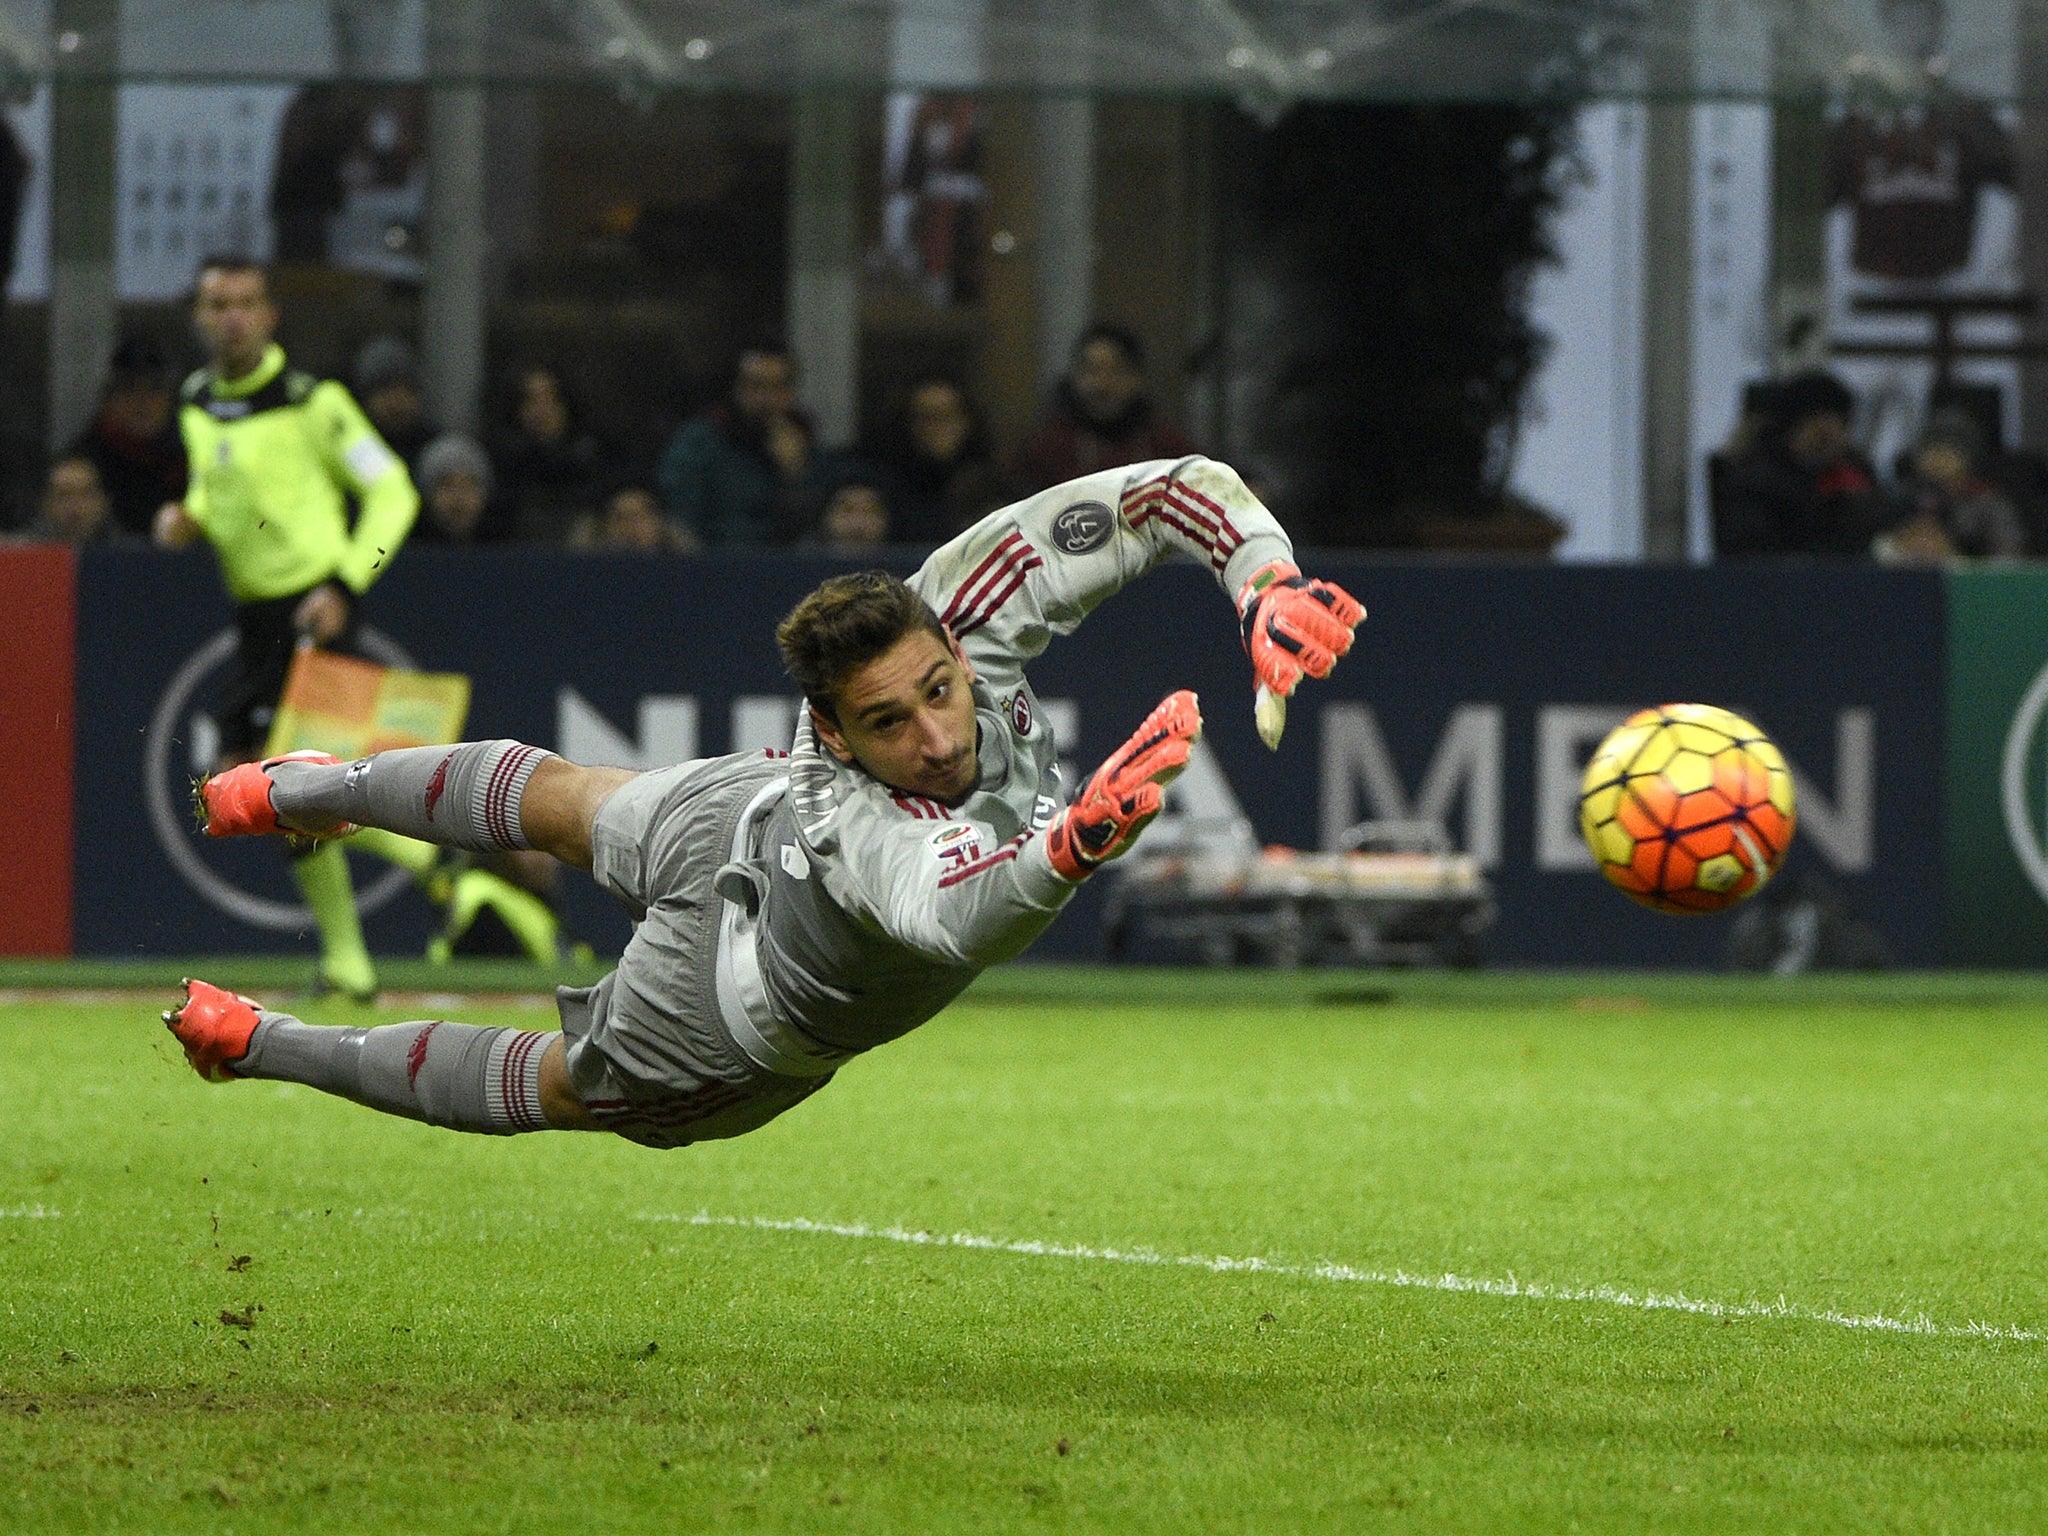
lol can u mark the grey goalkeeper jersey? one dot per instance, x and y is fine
(877, 908)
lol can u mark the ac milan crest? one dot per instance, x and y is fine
(1083, 527)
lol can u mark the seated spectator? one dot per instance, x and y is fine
(633, 520)
(547, 464)
(749, 470)
(1797, 485)
(1951, 508)
(934, 466)
(74, 508)
(1100, 417)
(387, 381)
(454, 480)
(133, 441)
(2019, 474)
(856, 518)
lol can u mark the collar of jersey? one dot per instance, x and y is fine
(991, 749)
(268, 368)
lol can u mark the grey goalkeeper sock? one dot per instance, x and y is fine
(464, 796)
(462, 1076)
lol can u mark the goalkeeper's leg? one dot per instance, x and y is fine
(480, 795)
(494, 1081)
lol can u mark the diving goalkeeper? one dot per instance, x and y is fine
(793, 911)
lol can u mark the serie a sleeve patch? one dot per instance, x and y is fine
(957, 840)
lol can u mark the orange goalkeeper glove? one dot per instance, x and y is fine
(1125, 792)
(1294, 625)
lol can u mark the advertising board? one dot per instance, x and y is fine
(1473, 696)
(1996, 838)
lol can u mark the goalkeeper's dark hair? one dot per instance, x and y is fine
(846, 623)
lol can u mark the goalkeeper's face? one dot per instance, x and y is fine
(907, 717)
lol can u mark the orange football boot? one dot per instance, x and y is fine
(237, 803)
(214, 1027)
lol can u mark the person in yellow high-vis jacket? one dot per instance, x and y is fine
(276, 457)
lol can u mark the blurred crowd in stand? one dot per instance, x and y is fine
(1791, 481)
(750, 470)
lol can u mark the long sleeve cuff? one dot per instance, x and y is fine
(1037, 881)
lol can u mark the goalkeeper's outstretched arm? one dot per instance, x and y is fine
(964, 903)
(1035, 569)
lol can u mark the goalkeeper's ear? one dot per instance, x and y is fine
(830, 737)
(959, 652)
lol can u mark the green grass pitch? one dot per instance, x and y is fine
(1595, 1254)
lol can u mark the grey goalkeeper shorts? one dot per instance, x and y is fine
(649, 1052)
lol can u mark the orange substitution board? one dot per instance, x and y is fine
(39, 617)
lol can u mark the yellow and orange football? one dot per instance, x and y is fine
(1687, 808)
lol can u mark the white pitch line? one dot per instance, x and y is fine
(1525, 1290)
(27, 1213)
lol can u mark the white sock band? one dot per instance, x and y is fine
(501, 780)
(512, 1080)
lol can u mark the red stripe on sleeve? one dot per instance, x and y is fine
(1197, 532)
(960, 596)
(990, 609)
(1224, 538)
(1002, 855)
(976, 613)
(1229, 528)
(1144, 491)
(1216, 557)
